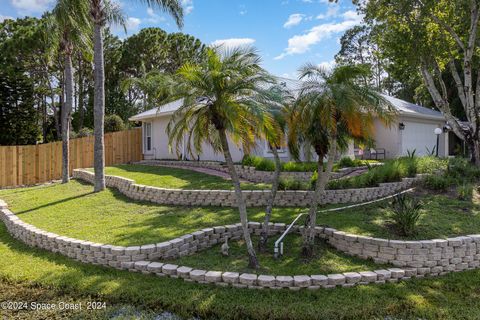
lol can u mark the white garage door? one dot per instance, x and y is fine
(418, 136)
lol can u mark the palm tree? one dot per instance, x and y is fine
(331, 109)
(279, 99)
(103, 11)
(223, 97)
(69, 25)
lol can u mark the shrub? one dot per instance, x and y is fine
(464, 191)
(84, 132)
(346, 162)
(265, 165)
(460, 169)
(406, 212)
(291, 184)
(114, 123)
(436, 182)
(299, 166)
(249, 160)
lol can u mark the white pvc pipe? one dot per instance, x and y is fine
(276, 252)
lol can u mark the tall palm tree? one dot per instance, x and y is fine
(69, 25)
(331, 108)
(223, 97)
(103, 11)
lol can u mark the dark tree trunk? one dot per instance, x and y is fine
(262, 244)
(81, 95)
(242, 208)
(99, 109)
(66, 112)
(322, 180)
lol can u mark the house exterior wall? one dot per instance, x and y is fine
(418, 134)
(160, 149)
(387, 138)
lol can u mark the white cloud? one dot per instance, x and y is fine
(31, 6)
(328, 65)
(132, 24)
(233, 42)
(3, 18)
(299, 44)
(293, 20)
(187, 6)
(332, 11)
(153, 17)
(243, 12)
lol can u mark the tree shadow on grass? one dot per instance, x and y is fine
(63, 200)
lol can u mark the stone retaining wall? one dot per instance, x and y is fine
(428, 256)
(248, 173)
(465, 252)
(253, 198)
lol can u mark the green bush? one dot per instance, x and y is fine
(84, 132)
(291, 184)
(436, 182)
(464, 191)
(346, 162)
(292, 166)
(406, 212)
(114, 123)
(265, 165)
(460, 169)
(249, 160)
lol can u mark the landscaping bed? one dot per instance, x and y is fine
(327, 260)
(411, 299)
(176, 178)
(418, 298)
(109, 217)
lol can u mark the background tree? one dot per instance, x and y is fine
(70, 25)
(331, 109)
(222, 97)
(103, 11)
(436, 37)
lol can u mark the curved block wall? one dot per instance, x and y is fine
(253, 198)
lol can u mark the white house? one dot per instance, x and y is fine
(413, 129)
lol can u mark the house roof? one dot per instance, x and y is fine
(413, 110)
(403, 107)
(166, 109)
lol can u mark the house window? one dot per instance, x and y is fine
(147, 136)
(268, 148)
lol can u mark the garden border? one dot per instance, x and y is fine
(248, 173)
(465, 250)
(253, 198)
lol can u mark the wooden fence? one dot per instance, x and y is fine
(28, 165)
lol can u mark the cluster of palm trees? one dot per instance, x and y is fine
(230, 94)
(77, 24)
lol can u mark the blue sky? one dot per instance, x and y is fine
(287, 33)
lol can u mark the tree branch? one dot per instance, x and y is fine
(440, 103)
(458, 82)
(450, 30)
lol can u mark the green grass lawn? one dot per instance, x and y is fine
(109, 217)
(176, 178)
(454, 296)
(74, 211)
(327, 260)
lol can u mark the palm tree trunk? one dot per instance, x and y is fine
(99, 110)
(81, 94)
(67, 109)
(262, 244)
(322, 180)
(242, 208)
